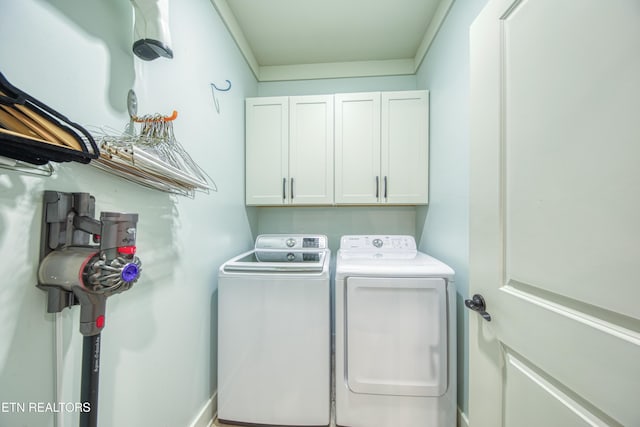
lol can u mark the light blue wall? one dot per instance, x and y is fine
(334, 222)
(158, 347)
(443, 226)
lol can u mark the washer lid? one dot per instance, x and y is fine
(278, 261)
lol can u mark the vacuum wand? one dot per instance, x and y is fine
(73, 271)
(90, 379)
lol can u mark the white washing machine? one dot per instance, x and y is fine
(274, 333)
(395, 335)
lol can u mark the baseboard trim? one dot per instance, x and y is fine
(207, 414)
(463, 420)
(209, 411)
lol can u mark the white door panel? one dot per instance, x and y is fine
(532, 400)
(572, 148)
(554, 206)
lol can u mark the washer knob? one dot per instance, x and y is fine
(291, 242)
(290, 256)
(377, 243)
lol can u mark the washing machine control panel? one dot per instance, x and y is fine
(378, 243)
(291, 241)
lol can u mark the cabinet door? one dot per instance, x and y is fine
(405, 147)
(357, 148)
(311, 150)
(267, 150)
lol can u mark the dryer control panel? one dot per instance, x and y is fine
(378, 243)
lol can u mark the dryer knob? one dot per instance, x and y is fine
(377, 243)
(291, 242)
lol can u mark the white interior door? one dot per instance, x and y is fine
(555, 203)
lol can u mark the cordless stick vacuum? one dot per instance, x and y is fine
(75, 271)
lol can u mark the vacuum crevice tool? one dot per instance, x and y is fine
(151, 29)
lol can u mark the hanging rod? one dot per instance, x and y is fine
(155, 118)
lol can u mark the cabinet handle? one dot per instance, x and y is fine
(284, 188)
(377, 186)
(385, 187)
(291, 188)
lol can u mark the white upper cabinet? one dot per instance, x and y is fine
(267, 150)
(289, 150)
(405, 147)
(357, 148)
(375, 145)
(382, 148)
(311, 150)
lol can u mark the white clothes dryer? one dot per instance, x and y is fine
(274, 355)
(395, 346)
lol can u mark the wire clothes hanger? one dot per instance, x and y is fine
(153, 157)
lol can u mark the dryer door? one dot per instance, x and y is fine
(396, 336)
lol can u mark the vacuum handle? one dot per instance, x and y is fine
(92, 312)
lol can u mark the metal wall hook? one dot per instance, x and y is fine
(222, 90)
(132, 103)
(213, 92)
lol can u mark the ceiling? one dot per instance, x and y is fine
(311, 39)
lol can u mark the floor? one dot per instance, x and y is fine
(219, 424)
(216, 423)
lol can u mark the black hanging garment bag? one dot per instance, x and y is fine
(32, 132)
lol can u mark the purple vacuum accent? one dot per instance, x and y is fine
(130, 272)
